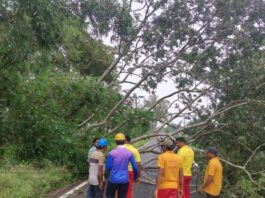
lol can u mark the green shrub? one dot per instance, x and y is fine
(243, 188)
(44, 114)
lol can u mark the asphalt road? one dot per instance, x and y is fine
(144, 190)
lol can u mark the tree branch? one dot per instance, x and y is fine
(250, 158)
(86, 121)
(181, 111)
(168, 96)
(203, 123)
(115, 129)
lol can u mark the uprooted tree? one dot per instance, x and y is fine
(211, 50)
(48, 72)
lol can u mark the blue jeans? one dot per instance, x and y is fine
(94, 192)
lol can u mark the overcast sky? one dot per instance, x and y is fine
(166, 87)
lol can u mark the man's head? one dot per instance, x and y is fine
(95, 141)
(167, 144)
(180, 142)
(102, 144)
(211, 152)
(127, 139)
(120, 139)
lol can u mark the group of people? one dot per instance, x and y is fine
(174, 170)
(123, 163)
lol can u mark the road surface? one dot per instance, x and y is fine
(143, 190)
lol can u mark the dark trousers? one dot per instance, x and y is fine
(211, 196)
(94, 192)
(121, 188)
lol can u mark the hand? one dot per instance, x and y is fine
(155, 193)
(200, 190)
(180, 193)
(137, 181)
(101, 186)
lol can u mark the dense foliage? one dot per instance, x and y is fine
(49, 66)
(242, 129)
(61, 86)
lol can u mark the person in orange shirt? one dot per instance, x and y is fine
(169, 182)
(187, 155)
(213, 175)
(137, 157)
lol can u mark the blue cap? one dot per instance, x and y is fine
(212, 150)
(102, 142)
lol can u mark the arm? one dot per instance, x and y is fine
(101, 163)
(138, 161)
(181, 182)
(100, 176)
(139, 169)
(134, 166)
(207, 182)
(209, 179)
(109, 163)
(160, 173)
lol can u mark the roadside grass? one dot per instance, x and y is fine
(26, 181)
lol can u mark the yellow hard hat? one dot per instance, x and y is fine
(119, 137)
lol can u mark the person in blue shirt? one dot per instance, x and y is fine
(117, 163)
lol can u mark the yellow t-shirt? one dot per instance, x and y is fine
(187, 155)
(214, 169)
(171, 163)
(135, 153)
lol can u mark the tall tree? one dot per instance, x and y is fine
(201, 45)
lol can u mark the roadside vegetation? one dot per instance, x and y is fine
(49, 68)
(25, 180)
(61, 86)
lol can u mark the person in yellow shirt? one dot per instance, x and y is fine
(137, 157)
(187, 155)
(169, 182)
(213, 175)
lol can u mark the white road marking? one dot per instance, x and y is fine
(73, 190)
